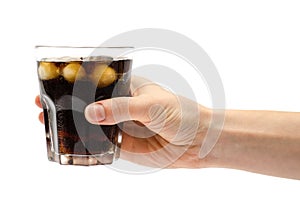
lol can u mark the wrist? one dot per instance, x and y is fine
(212, 136)
(194, 149)
(205, 119)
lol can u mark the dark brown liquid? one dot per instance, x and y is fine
(75, 135)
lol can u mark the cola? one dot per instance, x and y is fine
(67, 86)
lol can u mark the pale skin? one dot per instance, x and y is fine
(266, 142)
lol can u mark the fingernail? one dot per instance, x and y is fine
(94, 113)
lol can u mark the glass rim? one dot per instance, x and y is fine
(94, 47)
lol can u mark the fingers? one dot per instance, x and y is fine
(116, 110)
(41, 117)
(132, 144)
(38, 101)
(152, 152)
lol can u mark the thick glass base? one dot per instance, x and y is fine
(85, 160)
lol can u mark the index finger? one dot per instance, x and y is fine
(38, 101)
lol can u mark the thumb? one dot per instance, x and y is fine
(116, 110)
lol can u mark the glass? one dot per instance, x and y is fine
(70, 78)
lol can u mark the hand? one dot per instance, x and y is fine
(160, 128)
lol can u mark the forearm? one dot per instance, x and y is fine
(266, 142)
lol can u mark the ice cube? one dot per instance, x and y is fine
(73, 71)
(103, 75)
(48, 70)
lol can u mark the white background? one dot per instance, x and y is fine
(254, 44)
